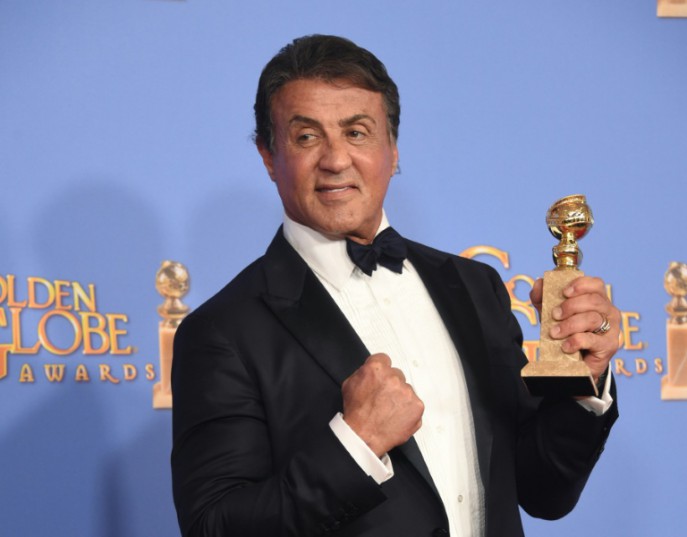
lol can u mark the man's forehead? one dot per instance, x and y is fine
(307, 98)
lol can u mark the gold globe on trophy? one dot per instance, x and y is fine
(568, 220)
(675, 283)
(172, 281)
(555, 372)
(674, 384)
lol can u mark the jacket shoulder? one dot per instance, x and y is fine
(240, 294)
(463, 264)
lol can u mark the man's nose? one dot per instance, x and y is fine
(335, 156)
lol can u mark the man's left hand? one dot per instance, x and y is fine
(584, 310)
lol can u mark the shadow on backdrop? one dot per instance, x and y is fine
(125, 507)
(97, 231)
(51, 464)
(226, 232)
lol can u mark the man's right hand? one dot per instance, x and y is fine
(380, 406)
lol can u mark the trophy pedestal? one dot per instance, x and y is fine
(162, 391)
(671, 392)
(556, 373)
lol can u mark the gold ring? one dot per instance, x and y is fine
(604, 327)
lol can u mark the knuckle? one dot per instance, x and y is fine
(374, 359)
(395, 384)
(577, 340)
(599, 300)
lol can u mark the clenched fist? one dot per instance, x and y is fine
(380, 406)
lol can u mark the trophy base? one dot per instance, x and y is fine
(671, 392)
(567, 378)
(161, 399)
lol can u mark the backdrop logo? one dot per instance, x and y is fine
(172, 282)
(674, 384)
(60, 318)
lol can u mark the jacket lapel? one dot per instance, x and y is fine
(452, 299)
(303, 305)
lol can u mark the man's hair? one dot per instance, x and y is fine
(327, 58)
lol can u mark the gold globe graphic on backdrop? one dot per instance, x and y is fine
(675, 283)
(172, 282)
(172, 279)
(676, 279)
(674, 383)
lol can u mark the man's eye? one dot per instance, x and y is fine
(356, 135)
(305, 137)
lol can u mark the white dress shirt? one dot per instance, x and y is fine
(393, 313)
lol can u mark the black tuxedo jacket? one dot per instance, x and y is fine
(257, 377)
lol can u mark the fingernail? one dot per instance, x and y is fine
(556, 313)
(566, 347)
(555, 330)
(568, 291)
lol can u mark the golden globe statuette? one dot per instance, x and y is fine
(674, 384)
(172, 282)
(555, 372)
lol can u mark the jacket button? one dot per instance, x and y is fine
(440, 532)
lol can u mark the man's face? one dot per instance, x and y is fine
(332, 157)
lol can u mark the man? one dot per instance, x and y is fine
(313, 396)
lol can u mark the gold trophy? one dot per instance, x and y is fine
(172, 282)
(674, 384)
(555, 372)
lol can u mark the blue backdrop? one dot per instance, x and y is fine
(125, 140)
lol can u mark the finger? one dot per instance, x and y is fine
(587, 321)
(399, 374)
(380, 359)
(599, 346)
(585, 285)
(537, 293)
(382, 364)
(582, 304)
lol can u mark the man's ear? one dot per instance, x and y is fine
(267, 158)
(394, 168)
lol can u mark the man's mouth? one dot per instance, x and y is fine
(337, 189)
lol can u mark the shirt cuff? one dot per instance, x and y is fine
(599, 405)
(380, 470)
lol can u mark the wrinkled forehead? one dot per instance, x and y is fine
(319, 97)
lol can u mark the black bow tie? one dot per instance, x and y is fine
(387, 249)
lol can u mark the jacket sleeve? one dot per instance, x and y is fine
(226, 479)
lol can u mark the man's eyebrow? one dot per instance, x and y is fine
(306, 120)
(347, 122)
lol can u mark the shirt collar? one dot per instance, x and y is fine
(325, 256)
